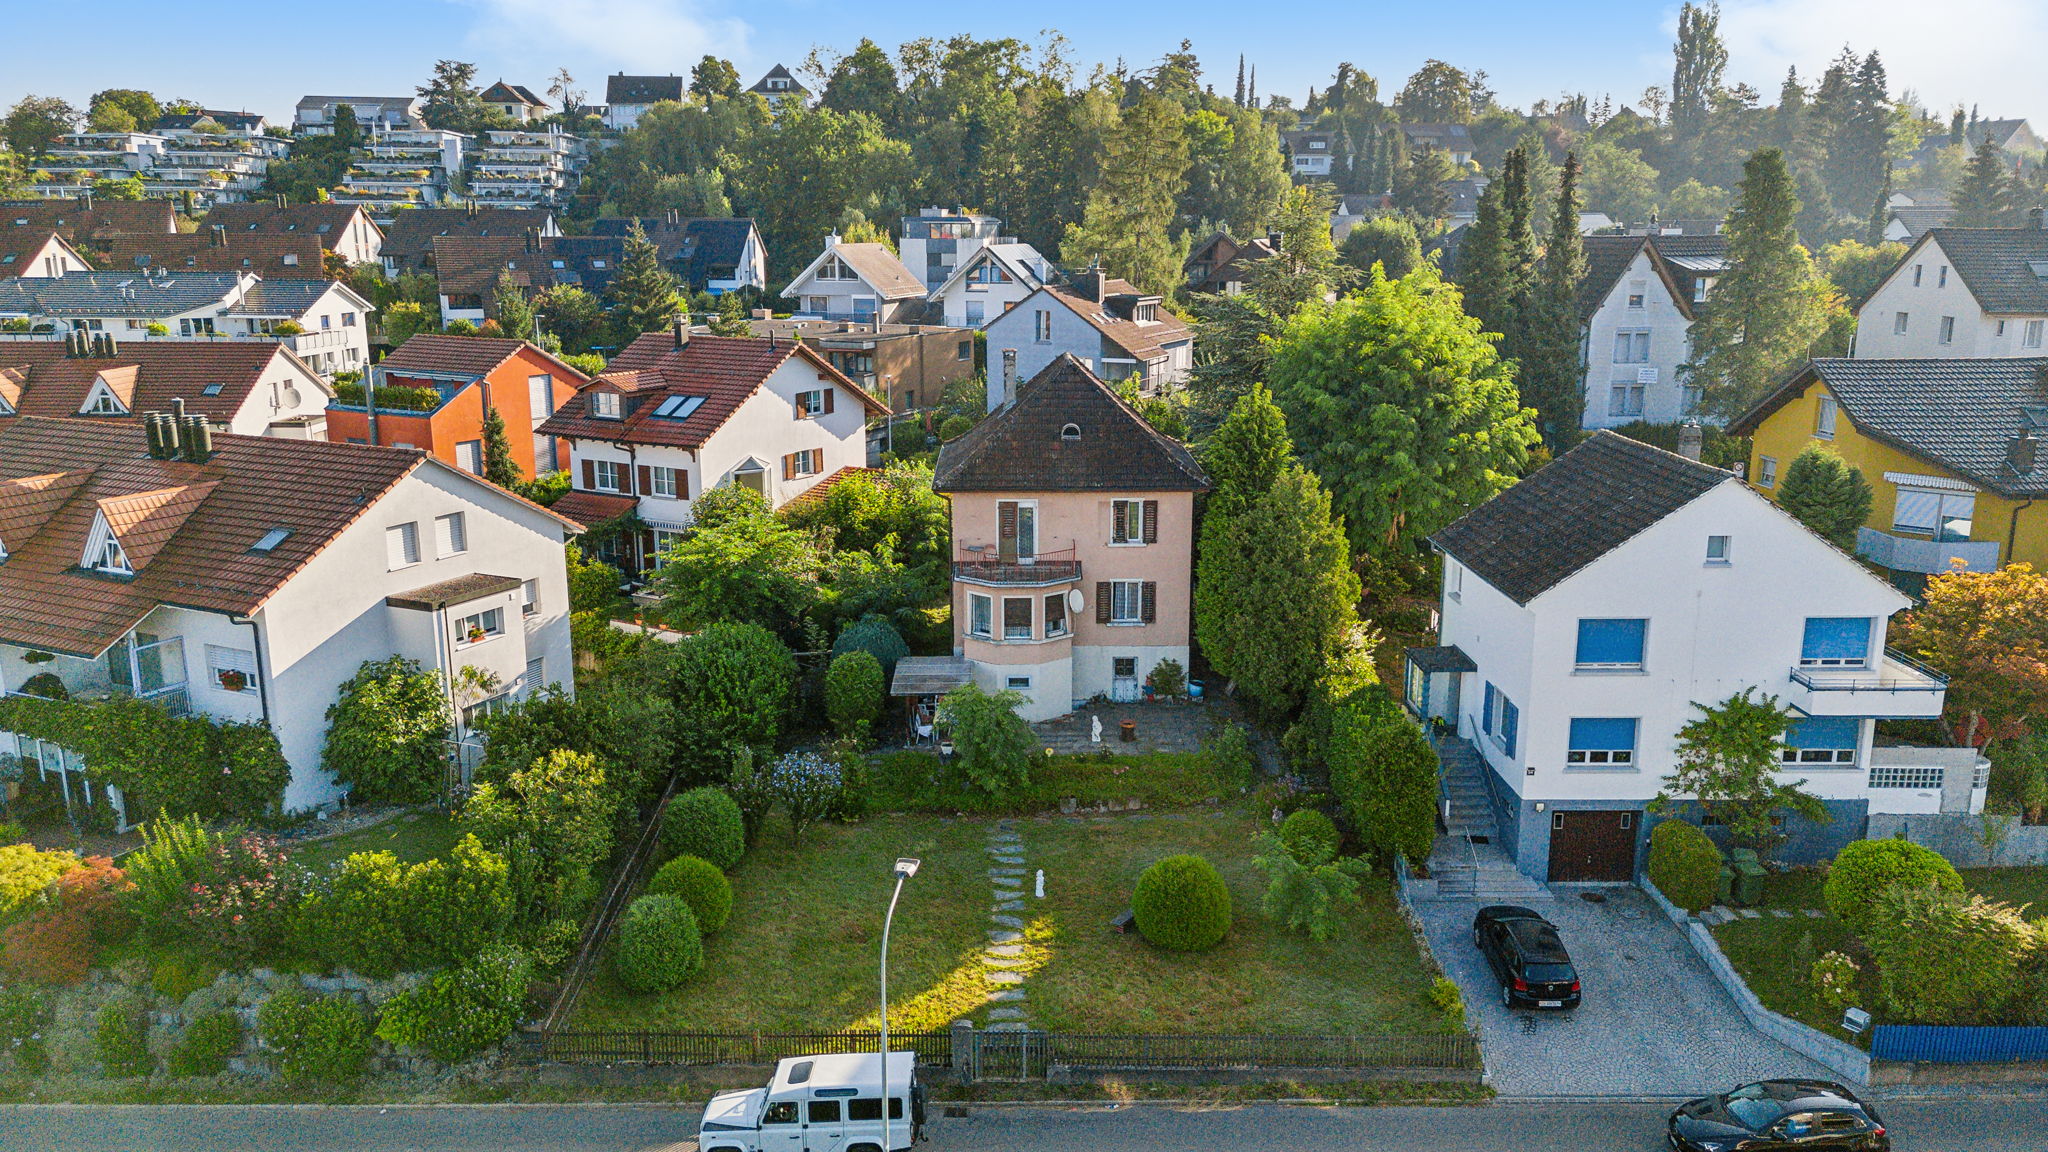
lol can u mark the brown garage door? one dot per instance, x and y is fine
(1593, 845)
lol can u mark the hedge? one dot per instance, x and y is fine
(167, 764)
(705, 822)
(660, 946)
(696, 882)
(1947, 958)
(1684, 865)
(1384, 773)
(1182, 905)
(1863, 870)
(853, 691)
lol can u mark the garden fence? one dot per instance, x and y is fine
(1016, 1054)
(1931, 1044)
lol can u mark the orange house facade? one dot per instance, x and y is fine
(433, 391)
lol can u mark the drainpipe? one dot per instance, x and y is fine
(262, 674)
(2012, 532)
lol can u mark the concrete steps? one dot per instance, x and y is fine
(1467, 862)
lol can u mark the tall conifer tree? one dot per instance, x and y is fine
(1552, 373)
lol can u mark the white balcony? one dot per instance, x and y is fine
(1895, 685)
(1931, 557)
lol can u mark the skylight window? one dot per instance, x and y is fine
(2040, 268)
(679, 407)
(213, 389)
(270, 540)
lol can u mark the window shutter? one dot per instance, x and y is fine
(647, 551)
(1148, 601)
(683, 484)
(646, 480)
(1102, 601)
(590, 475)
(626, 479)
(1151, 521)
(1117, 533)
(828, 399)
(1006, 523)
(789, 467)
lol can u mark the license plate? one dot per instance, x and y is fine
(1550, 1003)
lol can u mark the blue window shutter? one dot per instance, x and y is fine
(1836, 638)
(1603, 735)
(1486, 717)
(1510, 719)
(1824, 732)
(1611, 641)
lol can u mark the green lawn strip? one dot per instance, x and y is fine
(1775, 957)
(1260, 980)
(2013, 886)
(1794, 890)
(410, 836)
(799, 953)
(916, 782)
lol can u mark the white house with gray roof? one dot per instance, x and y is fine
(1961, 293)
(995, 279)
(1586, 610)
(862, 282)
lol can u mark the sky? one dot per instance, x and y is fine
(242, 54)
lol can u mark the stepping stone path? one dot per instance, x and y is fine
(1006, 949)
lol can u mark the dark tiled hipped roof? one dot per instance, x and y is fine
(1020, 447)
(620, 88)
(267, 218)
(1572, 511)
(1998, 265)
(79, 224)
(116, 294)
(412, 232)
(1957, 414)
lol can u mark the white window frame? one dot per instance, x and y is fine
(451, 535)
(1946, 333)
(1030, 627)
(808, 462)
(1767, 471)
(2030, 333)
(1058, 621)
(469, 456)
(1632, 346)
(1126, 602)
(617, 472)
(1134, 523)
(491, 621)
(1901, 321)
(221, 659)
(606, 406)
(661, 481)
(981, 615)
(810, 403)
(1041, 326)
(664, 539)
(1720, 550)
(1824, 413)
(529, 598)
(402, 545)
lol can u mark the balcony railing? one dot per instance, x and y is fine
(985, 564)
(1931, 557)
(1896, 672)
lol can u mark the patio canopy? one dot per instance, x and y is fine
(1441, 658)
(929, 675)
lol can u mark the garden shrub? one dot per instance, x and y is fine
(1182, 905)
(992, 744)
(359, 922)
(551, 944)
(209, 1041)
(175, 855)
(85, 909)
(464, 1010)
(1231, 760)
(26, 874)
(696, 882)
(1863, 870)
(1384, 772)
(1167, 678)
(808, 786)
(120, 1038)
(553, 821)
(385, 733)
(705, 822)
(731, 683)
(1833, 978)
(660, 946)
(1445, 998)
(318, 1039)
(377, 916)
(178, 976)
(458, 904)
(853, 692)
(1944, 957)
(1312, 898)
(874, 635)
(1310, 837)
(24, 1017)
(244, 909)
(1684, 865)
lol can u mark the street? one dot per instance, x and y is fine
(1958, 1125)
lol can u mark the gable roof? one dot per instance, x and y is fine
(471, 264)
(19, 248)
(620, 88)
(117, 294)
(696, 248)
(84, 219)
(878, 267)
(1572, 511)
(328, 221)
(1998, 265)
(28, 502)
(779, 73)
(473, 357)
(722, 370)
(54, 384)
(265, 254)
(412, 231)
(1144, 341)
(503, 93)
(1020, 446)
(1021, 260)
(1679, 262)
(1956, 414)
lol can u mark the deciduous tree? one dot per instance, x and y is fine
(1988, 632)
(1728, 763)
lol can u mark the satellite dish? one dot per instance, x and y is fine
(1074, 600)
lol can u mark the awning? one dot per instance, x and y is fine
(1441, 658)
(930, 675)
(593, 507)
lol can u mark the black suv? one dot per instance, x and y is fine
(1779, 1116)
(1527, 958)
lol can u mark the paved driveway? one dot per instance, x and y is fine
(1653, 1022)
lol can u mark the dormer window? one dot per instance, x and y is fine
(605, 405)
(1145, 313)
(1070, 432)
(102, 402)
(835, 269)
(103, 551)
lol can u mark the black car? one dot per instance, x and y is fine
(1527, 957)
(1807, 1115)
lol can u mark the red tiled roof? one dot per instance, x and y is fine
(77, 223)
(273, 256)
(19, 246)
(592, 507)
(474, 356)
(53, 384)
(266, 217)
(816, 492)
(195, 544)
(29, 501)
(723, 370)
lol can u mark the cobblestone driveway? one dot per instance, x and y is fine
(1653, 1022)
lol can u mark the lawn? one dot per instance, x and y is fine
(2012, 885)
(916, 782)
(799, 953)
(410, 836)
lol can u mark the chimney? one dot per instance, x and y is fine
(1009, 379)
(217, 236)
(681, 327)
(1691, 440)
(2038, 218)
(198, 440)
(152, 434)
(2020, 452)
(178, 409)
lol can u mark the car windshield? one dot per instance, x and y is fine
(1754, 1113)
(1548, 973)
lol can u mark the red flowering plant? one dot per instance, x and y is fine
(243, 906)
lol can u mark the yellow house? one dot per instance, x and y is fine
(1949, 448)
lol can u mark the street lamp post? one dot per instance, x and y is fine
(905, 869)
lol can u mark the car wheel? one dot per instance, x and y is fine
(1507, 996)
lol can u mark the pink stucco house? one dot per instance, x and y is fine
(1073, 538)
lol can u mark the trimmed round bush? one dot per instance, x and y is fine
(1310, 836)
(1863, 870)
(1182, 905)
(660, 946)
(696, 882)
(209, 1041)
(1684, 865)
(705, 822)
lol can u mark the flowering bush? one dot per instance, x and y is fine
(463, 1011)
(808, 787)
(1834, 981)
(241, 910)
(317, 1038)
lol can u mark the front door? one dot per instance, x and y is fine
(1123, 684)
(1598, 845)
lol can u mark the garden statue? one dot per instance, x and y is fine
(1095, 729)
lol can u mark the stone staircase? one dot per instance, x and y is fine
(1467, 860)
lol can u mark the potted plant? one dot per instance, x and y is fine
(476, 633)
(233, 680)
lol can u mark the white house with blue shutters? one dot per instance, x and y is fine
(1588, 608)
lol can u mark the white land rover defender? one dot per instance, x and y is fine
(820, 1104)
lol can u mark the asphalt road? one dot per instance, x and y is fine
(1988, 1125)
